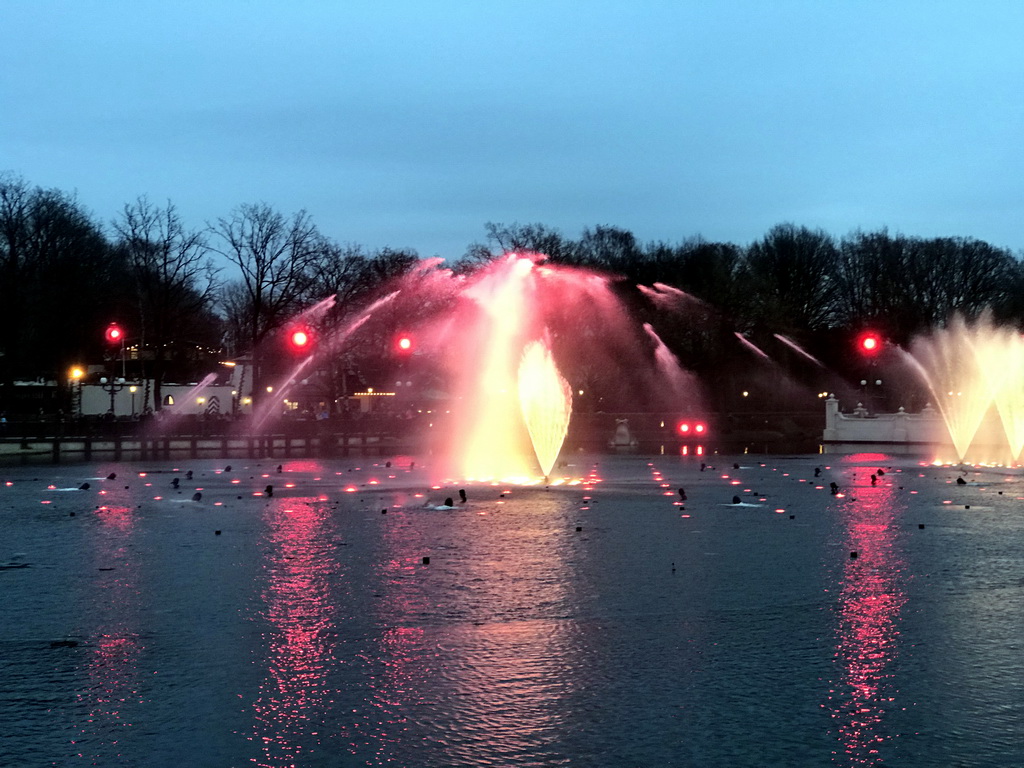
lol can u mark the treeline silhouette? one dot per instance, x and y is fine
(797, 294)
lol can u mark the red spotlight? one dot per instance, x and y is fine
(300, 339)
(114, 334)
(684, 427)
(869, 343)
(404, 344)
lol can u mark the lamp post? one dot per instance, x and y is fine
(112, 387)
(133, 389)
(869, 395)
(75, 379)
(114, 336)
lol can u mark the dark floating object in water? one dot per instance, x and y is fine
(10, 566)
(280, 468)
(853, 554)
(63, 643)
(921, 526)
(83, 487)
(227, 468)
(197, 496)
(735, 499)
(216, 533)
(579, 528)
(175, 482)
(682, 494)
(269, 490)
(112, 476)
(462, 495)
(383, 511)
(387, 464)
(426, 560)
(71, 514)
(833, 488)
(961, 481)
(188, 475)
(448, 502)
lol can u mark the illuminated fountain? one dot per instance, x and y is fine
(975, 372)
(509, 344)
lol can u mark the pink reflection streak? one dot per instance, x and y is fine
(112, 664)
(869, 609)
(294, 695)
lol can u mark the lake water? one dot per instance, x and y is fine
(310, 632)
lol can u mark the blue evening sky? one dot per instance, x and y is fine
(411, 124)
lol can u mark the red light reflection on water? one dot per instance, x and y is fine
(112, 664)
(299, 614)
(308, 466)
(870, 601)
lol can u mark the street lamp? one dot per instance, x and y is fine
(75, 375)
(112, 387)
(133, 389)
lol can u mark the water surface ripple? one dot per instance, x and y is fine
(603, 624)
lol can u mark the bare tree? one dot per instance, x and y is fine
(55, 265)
(788, 280)
(174, 281)
(275, 255)
(512, 238)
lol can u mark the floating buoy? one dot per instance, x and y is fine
(426, 560)
(578, 527)
(853, 554)
(383, 511)
(269, 490)
(216, 533)
(197, 496)
(920, 526)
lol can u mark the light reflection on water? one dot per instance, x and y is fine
(476, 678)
(871, 597)
(298, 570)
(311, 633)
(112, 665)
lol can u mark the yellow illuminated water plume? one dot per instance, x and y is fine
(1004, 358)
(976, 374)
(496, 443)
(545, 399)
